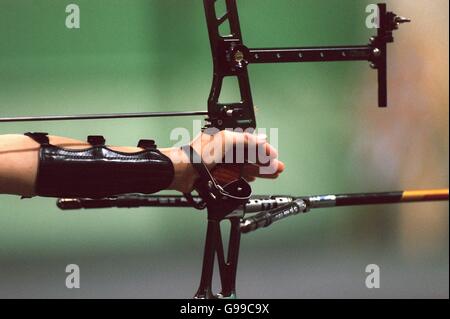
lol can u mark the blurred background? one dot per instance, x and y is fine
(154, 55)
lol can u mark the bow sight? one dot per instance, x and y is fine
(231, 58)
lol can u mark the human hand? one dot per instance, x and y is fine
(229, 156)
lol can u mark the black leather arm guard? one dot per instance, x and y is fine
(99, 171)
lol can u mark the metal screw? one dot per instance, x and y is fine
(256, 56)
(322, 54)
(278, 55)
(344, 54)
(303, 207)
(238, 56)
(376, 52)
(372, 39)
(400, 20)
(300, 55)
(373, 65)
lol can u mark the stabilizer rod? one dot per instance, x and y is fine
(305, 204)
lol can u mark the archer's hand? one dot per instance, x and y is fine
(228, 155)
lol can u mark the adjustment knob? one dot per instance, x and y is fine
(238, 57)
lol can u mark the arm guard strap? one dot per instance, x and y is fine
(99, 171)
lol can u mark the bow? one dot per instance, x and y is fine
(232, 58)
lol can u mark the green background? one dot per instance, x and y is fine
(154, 55)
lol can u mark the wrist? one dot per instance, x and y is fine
(184, 173)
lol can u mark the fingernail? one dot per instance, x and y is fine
(262, 138)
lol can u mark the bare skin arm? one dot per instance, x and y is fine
(19, 163)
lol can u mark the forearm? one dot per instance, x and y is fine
(19, 162)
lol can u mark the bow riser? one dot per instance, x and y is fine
(239, 114)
